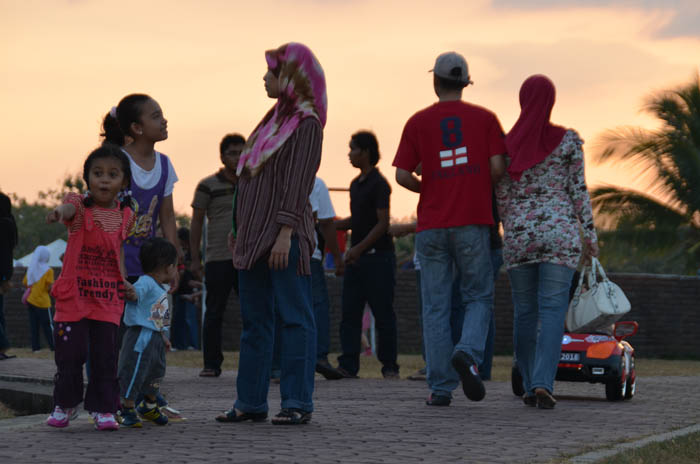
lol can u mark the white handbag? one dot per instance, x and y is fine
(602, 304)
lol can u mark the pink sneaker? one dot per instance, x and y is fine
(61, 417)
(106, 421)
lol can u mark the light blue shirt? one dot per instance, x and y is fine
(151, 309)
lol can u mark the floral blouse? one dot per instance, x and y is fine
(544, 211)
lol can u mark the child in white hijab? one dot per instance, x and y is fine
(39, 278)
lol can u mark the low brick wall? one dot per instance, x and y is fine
(666, 307)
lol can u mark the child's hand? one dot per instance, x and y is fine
(174, 284)
(54, 216)
(168, 345)
(130, 291)
(64, 212)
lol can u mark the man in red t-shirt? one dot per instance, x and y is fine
(460, 149)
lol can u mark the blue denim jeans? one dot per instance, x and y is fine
(184, 330)
(319, 292)
(540, 299)
(371, 280)
(441, 252)
(457, 317)
(260, 288)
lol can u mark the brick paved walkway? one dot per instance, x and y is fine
(359, 421)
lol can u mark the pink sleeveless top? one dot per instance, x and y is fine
(91, 285)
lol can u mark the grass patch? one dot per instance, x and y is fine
(681, 450)
(370, 367)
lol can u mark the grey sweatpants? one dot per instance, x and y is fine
(141, 371)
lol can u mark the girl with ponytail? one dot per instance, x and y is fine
(136, 124)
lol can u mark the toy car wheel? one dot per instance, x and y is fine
(516, 382)
(631, 381)
(630, 388)
(616, 390)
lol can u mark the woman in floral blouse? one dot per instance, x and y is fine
(544, 204)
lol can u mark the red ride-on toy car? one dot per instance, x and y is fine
(596, 358)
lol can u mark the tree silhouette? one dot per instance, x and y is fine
(661, 224)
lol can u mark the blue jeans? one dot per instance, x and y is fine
(185, 326)
(457, 317)
(260, 288)
(319, 292)
(441, 252)
(540, 298)
(371, 280)
(420, 315)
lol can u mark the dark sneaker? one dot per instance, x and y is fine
(324, 368)
(346, 374)
(438, 400)
(391, 374)
(544, 399)
(130, 418)
(152, 414)
(469, 374)
(530, 400)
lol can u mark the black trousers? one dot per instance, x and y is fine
(220, 277)
(371, 280)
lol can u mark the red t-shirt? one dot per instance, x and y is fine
(454, 141)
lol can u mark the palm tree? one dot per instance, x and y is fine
(662, 224)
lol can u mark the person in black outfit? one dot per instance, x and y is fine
(8, 240)
(370, 272)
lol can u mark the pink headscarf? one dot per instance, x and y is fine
(302, 87)
(533, 137)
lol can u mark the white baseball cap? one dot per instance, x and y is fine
(452, 66)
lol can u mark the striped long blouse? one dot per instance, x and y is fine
(277, 196)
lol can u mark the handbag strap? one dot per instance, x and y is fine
(608, 287)
(595, 263)
(577, 292)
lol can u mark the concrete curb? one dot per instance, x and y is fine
(22, 422)
(25, 379)
(26, 396)
(594, 456)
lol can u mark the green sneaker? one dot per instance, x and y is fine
(152, 414)
(130, 418)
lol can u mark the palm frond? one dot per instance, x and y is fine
(625, 206)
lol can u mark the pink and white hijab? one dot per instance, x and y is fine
(302, 95)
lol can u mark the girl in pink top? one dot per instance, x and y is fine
(90, 291)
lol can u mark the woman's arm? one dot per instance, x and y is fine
(298, 172)
(578, 192)
(297, 180)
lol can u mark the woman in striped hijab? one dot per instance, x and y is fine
(274, 238)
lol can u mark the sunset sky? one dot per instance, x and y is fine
(66, 63)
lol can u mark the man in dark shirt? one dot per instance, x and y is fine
(370, 272)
